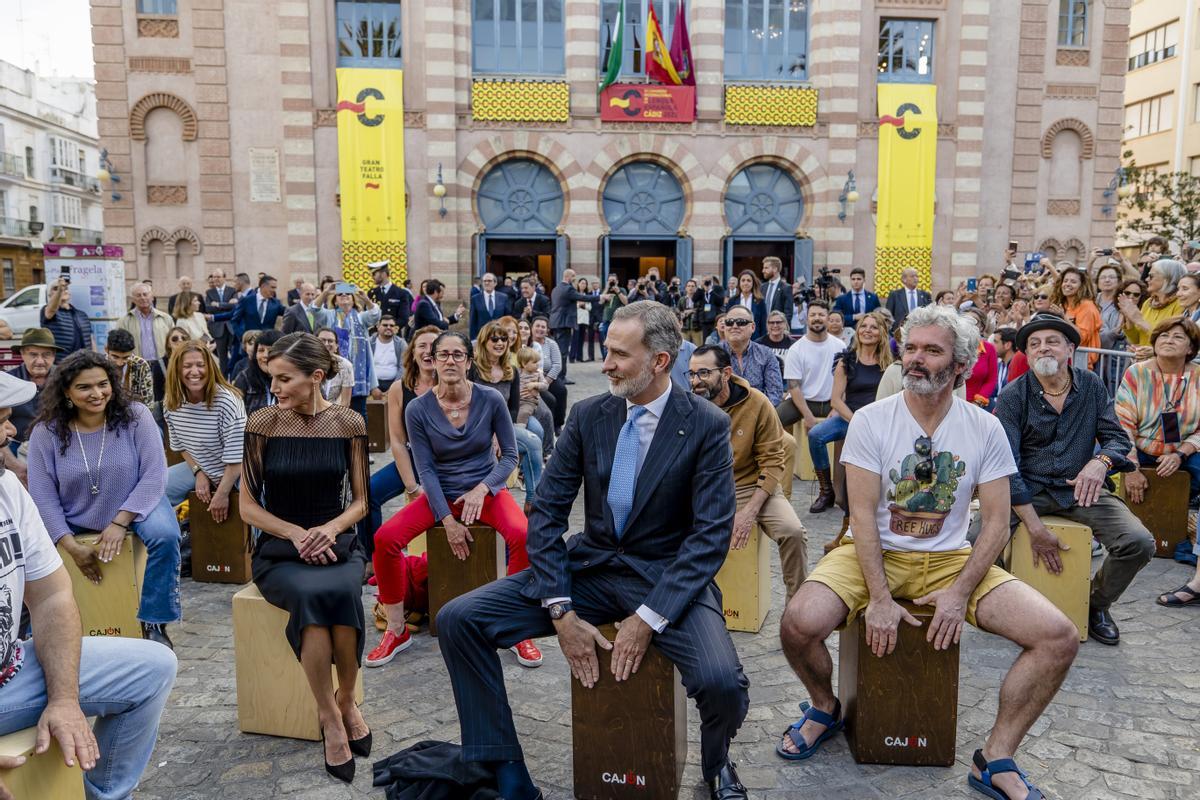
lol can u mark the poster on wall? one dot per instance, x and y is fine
(626, 102)
(97, 274)
(264, 175)
(908, 130)
(370, 126)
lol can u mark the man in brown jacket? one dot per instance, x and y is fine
(759, 461)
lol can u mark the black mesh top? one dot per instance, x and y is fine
(302, 467)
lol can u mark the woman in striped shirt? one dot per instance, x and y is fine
(206, 423)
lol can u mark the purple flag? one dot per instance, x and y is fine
(681, 48)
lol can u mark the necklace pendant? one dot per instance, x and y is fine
(95, 490)
(454, 414)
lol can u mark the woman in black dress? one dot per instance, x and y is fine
(304, 485)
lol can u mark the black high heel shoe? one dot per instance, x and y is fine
(343, 772)
(360, 747)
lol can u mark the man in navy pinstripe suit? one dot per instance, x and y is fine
(648, 564)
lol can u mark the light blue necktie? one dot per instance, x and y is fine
(622, 482)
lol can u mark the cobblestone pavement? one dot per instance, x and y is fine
(1125, 724)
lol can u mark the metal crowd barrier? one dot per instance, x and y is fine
(1110, 366)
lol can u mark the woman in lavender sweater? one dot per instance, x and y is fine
(96, 463)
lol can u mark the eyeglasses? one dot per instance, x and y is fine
(498, 337)
(738, 323)
(701, 373)
(457, 356)
(924, 468)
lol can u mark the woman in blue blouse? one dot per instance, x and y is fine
(354, 343)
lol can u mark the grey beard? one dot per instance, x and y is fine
(931, 385)
(634, 385)
(1046, 366)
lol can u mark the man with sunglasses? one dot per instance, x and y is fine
(752, 362)
(1054, 417)
(761, 460)
(913, 462)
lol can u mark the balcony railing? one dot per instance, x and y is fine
(80, 236)
(10, 226)
(64, 177)
(12, 165)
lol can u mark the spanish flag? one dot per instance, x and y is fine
(658, 64)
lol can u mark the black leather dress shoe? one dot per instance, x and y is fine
(1102, 627)
(156, 633)
(727, 786)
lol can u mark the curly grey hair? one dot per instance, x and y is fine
(965, 332)
(660, 329)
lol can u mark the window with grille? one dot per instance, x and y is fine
(906, 50)
(369, 33)
(766, 39)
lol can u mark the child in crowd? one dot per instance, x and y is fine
(533, 383)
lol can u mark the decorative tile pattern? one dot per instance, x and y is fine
(521, 101)
(770, 105)
(167, 195)
(172, 66)
(158, 27)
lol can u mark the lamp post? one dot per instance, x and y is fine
(848, 197)
(108, 172)
(1119, 187)
(439, 191)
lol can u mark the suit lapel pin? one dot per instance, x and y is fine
(681, 433)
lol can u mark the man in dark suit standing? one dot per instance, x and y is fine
(488, 305)
(858, 301)
(564, 314)
(709, 300)
(301, 316)
(531, 302)
(391, 299)
(908, 297)
(220, 299)
(293, 295)
(429, 309)
(777, 294)
(657, 470)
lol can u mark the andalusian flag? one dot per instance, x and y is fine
(612, 69)
(658, 64)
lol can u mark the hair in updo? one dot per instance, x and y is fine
(307, 352)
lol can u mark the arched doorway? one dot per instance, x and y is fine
(763, 208)
(644, 206)
(521, 205)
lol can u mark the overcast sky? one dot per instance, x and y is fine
(53, 36)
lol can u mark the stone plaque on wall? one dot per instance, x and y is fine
(264, 175)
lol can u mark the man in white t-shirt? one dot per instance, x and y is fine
(60, 682)
(808, 371)
(912, 463)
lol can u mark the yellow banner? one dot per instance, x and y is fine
(370, 124)
(907, 169)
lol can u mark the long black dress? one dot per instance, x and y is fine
(300, 468)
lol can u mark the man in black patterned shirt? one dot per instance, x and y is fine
(1054, 416)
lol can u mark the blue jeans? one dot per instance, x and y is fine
(122, 682)
(159, 531)
(386, 485)
(358, 402)
(529, 449)
(1191, 464)
(832, 429)
(180, 481)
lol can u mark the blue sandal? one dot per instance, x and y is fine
(987, 769)
(833, 723)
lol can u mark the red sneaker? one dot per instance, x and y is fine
(389, 646)
(527, 653)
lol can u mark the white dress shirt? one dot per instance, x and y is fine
(647, 425)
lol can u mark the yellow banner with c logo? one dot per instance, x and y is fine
(370, 129)
(907, 171)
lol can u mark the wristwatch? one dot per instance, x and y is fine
(559, 610)
(196, 469)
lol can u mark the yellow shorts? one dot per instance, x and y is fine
(909, 576)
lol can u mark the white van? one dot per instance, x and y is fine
(23, 309)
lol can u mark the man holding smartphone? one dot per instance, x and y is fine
(1054, 416)
(71, 327)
